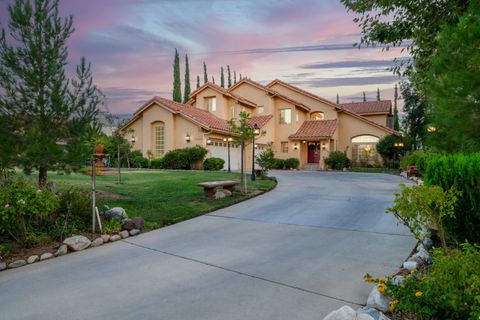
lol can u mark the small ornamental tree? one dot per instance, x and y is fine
(266, 160)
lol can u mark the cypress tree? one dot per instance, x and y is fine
(240, 76)
(222, 78)
(234, 77)
(229, 77)
(364, 97)
(205, 75)
(378, 94)
(396, 122)
(198, 81)
(338, 99)
(213, 79)
(177, 90)
(186, 92)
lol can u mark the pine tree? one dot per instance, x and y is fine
(177, 90)
(222, 78)
(378, 94)
(198, 81)
(205, 75)
(213, 79)
(186, 92)
(364, 97)
(234, 77)
(229, 77)
(240, 76)
(338, 99)
(396, 122)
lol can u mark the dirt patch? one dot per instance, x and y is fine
(109, 195)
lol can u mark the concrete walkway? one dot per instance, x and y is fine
(297, 252)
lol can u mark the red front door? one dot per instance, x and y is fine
(313, 153)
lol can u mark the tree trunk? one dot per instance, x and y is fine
(242, 176)
(119, 164)
(42, 176)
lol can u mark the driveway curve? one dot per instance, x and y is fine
(297, 252)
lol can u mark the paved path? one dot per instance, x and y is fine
(297, 252)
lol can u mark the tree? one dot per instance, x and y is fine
(198, 82)
(213, 79)
(234, 77)
(205, 75)
(53, 115)
(453, 85)
(414, 108)
(266, 160)
(186, 92)
(177, 90)
(364, 97)
(389, 151)
(338, 99)
(378, 94)
(229, 77)
(240, 76)
(222, 78)
(396, 122)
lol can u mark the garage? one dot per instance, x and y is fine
(220, 150)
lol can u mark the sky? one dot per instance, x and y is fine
(308, 43)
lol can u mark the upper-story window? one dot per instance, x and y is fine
(317, 116)
(261, 110)
(211, 103)
(285, 116)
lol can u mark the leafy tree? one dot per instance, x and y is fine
(388, 149)
(177, 90)
(53, 115)
(378, 94)
(364, 97)
(453, 86)
(396, 123)
(222, 78)
(229, 77)
(198, 82)
(338, 99)
(186, 93)
(205, 75)
(414, 108)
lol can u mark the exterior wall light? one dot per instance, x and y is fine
(209, 142)
(304, 141)
(431, 129)
(187, 138)
(295, 146)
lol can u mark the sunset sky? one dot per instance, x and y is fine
(308, 43)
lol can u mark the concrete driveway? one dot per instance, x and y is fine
(297, 252)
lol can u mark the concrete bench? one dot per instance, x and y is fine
(209, 188)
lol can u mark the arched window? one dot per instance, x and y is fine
(158, 138)
(317, 116)
(365, 139)
(364, 151)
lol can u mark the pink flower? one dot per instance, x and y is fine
(6, 206)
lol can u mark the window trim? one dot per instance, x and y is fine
(282, 144)
(280, 116)
(212, 108)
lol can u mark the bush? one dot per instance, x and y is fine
(292, 163)
(266, 160)
(387, 149)
(113, 226)
(337, 160)
(183, 159)
(461, 172)
(213, 164)
(140, 162)
(416, 158)
(156, 163)
(278, 164)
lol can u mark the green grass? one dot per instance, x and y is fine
(161, 197)
(376, 170)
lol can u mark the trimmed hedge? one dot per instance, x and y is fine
(140, 162)
(278, 163)
(463, 173)
(416, 158)
(213, 164)
(337, 160)
(292, 163)
(181, 159)
(156, 163)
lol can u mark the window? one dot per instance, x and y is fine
(211, 103)
(260, 109)
(317, 116)
(365, 139)
(159, 138)
(284, 147)
(285, 116)
(364, 151)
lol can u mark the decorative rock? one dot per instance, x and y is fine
(219, 194)
(105, 237)
(97, 242)
(115, 237)
(134, 232)
(116, 212)
(45, 256)
(77, 243)
(428, 243)
(133, 223)
(344, 313)
(410, 265)
(397, 280)
(370, 313)
(63, 249)
(124, 234)
(33, 259)
(3, 265)
(403, 174)
(17, 263)
(227, 193)
(378, 301)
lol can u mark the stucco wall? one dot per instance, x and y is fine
(222, 102)
(184, 127)
(254, 94)
(380, 119)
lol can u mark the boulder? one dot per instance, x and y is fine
(77, 243)
(227, 193)
(116, 212)
(45, 256)
(3, 265)
(134, 223)
(134, 232)
(33, 259)
(397, 280)
(17, 263)
(219, 194)
(105, 237)
(410, 265)
(115, 237)
(63, 249)
(374, 314)
(378, 301)
(97, 242)
(124, 234)
(344, 313)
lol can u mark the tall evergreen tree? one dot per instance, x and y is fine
(222, 78)
(198, 81)
(186, 92)
(364, 97)
(338, 99)
(177, 85)
(378, 94)
(53, 116)
(205, 75)
(240, 76)
(229, 77)
(234, 77)
(396, 122)
(213, 79)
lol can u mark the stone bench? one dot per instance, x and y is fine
(210, 188)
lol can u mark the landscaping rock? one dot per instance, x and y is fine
(97, 242)
(45, 256)
(17, 263)
(134, 223)
(397, 280)
(115, 237)
(105, 237)
(116, 212)
(220, 194)
(428, 243)
(3, 265)
(124, 234)
(378, 301)
(370, 313)
(134, 232)
(227, 193)
(63, 249)
(77, 243)
(410, 265)
(32, 259)
(344, 313)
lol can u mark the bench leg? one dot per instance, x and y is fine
(229, 188)
(209, 192)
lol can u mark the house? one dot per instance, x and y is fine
(296, 124)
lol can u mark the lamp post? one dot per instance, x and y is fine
(396, 145)
(256, 130)
(228, 140)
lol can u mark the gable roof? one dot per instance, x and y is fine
(369, 107)
(224, 92)
(272, 92)
(315, 129)
(261, 121)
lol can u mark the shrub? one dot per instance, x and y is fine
(156, 163)
(292, 163)
(387, 149)
(337, 160)
(112, 226)
(416, 158)
(140, 162)
(278, 163)
(463, 173)
(213, 164)
(266, 160)
(183, 159)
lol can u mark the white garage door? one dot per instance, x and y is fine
(220, 150)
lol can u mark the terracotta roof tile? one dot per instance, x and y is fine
(369, 107)
(313, 129)
(261, 121)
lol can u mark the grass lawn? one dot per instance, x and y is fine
(161, 197)
(376, 170)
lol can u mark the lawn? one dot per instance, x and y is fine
(161, 197)
(376, 170)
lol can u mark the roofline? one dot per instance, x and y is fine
(222, 91)
(369, 121)
(301, 91)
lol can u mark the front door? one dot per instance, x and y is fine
(313, 152)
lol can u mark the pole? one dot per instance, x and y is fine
(118, 160)
(94, 207)
(253, 158)
(228, 148)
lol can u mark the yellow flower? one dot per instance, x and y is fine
(418, 294)
(392, 305)
(413, 270)
(402, 286)
(381, 280)
(381, 288)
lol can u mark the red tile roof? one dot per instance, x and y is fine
(369, 107)
(315, 129)
(224, 92)
(261, 121)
